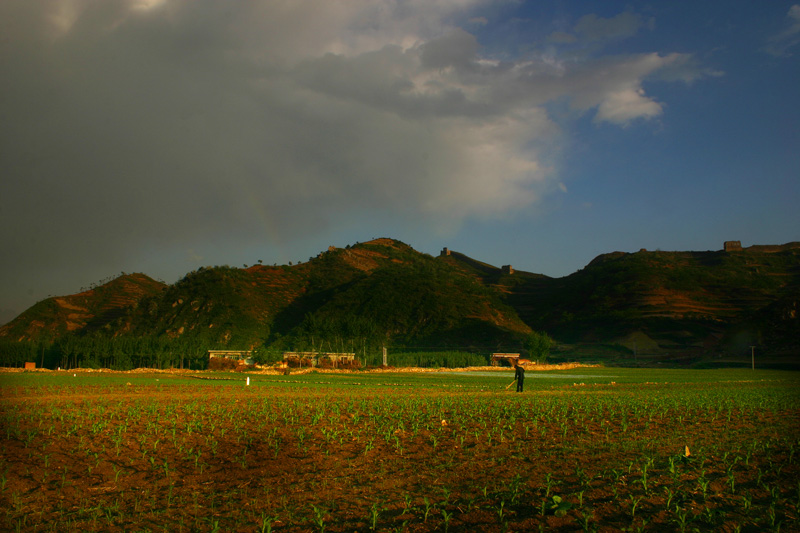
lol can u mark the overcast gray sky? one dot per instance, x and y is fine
(163, 135)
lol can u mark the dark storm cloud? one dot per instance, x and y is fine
(132, 127)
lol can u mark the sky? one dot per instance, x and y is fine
(159, 136)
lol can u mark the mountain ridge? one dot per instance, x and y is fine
(385, 292)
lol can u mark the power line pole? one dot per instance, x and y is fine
(753, 356)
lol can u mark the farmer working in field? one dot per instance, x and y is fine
(519, 375)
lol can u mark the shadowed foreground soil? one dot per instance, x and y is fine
(291, 458)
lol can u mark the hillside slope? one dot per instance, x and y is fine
(384, 292)
(373, 293)
(83, 312)
(683, 300)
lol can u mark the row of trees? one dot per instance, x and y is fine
(119, 353)
(439, 359)
(128, 352)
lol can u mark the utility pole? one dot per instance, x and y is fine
(384, 356)
(753, 356)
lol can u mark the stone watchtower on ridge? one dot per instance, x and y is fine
(733, 246)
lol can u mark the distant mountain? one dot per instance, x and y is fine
(698, 302)
(383, 292)
(84, 312)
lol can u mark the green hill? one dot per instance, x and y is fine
(83, 312)
(385, 293)
(381, 292)
(684, 301)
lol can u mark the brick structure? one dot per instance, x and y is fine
(507, 269)
(242, 357)
(318, 358)
(736, 246)
(508, 358)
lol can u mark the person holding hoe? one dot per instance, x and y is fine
(519, 376)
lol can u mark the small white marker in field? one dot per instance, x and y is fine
(248, 381)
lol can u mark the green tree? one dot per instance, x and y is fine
(538, 345)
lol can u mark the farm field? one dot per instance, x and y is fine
(586, 449)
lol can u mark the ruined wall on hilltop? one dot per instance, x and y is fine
(736, 246)
(772, 248)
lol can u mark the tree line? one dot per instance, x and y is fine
(117, 353)
(129, 352)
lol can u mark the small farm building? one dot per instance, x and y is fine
(317, 358)
(245, 356)
(499, 359)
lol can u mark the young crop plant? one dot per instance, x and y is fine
(585, 521)
(549, 484)
(446, 518)
(682, 518)
(634, 503)
(428, 508)
(731, 478)
(554, 505)
(374, 516)
(319, 518)
(703, 483)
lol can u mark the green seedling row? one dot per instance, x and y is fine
(590, 449)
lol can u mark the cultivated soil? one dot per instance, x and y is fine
(133, 454)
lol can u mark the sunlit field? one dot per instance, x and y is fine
(588, 449)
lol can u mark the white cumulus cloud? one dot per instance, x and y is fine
(782, 43)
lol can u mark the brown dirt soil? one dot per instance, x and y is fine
(296, 458)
